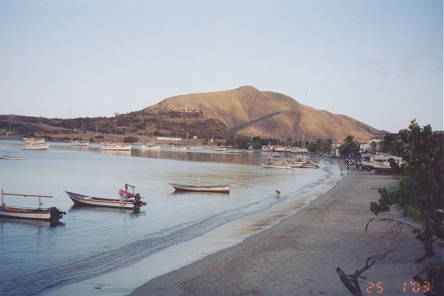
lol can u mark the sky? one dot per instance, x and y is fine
(378, 61)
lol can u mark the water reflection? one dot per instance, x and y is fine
(201, 155)
(37, 223)
(100, 210)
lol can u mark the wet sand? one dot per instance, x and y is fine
(299, 256)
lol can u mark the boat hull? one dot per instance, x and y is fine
(115, 147)
(15, 212)
(80, 143)
(309, 166)
(30, 213)
(90, 201)
(35, 147)
(7, 157)
(196, 188)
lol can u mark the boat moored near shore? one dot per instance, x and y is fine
(115, 147)
(201, 188)
(90, 201)
(47, 214)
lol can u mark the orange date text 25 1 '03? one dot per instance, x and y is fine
(407, 287)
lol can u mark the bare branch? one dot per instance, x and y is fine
(350, 281)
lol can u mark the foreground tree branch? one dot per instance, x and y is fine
(351, 282)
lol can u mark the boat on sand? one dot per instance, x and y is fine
(276, 165)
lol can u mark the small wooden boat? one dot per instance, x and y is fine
(201, 188)
(35, 146)
(90, 201)
(296, 164)
(34, 140)
(82, 143)
(309, 165)
(115, 147)
(304, 164)
(47, 214)
(10, 157)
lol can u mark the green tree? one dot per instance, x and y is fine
(392, 145)
(130, 139)
(325, 147)
(256, 143)
(420, 189)
(373, 146)
(239, 141)
(349, 148)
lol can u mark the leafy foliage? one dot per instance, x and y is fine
(349, 148)
(391, 145)
(322, 147)
(420, 191)
(130, 139)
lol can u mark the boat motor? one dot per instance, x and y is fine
(138, 200)
(56, 213)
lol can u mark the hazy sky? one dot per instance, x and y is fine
(378, 61)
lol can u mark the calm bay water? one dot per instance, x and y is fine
(94, 241)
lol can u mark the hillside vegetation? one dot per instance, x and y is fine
(248, 111)
(243, 111)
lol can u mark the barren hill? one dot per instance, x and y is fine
(251, 112)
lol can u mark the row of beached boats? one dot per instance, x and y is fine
(290, 163)
(287, 158)
(128, 200)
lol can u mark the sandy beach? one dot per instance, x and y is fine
(299, 256)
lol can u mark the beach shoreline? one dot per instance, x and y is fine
(299, 255)
(122, 281)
